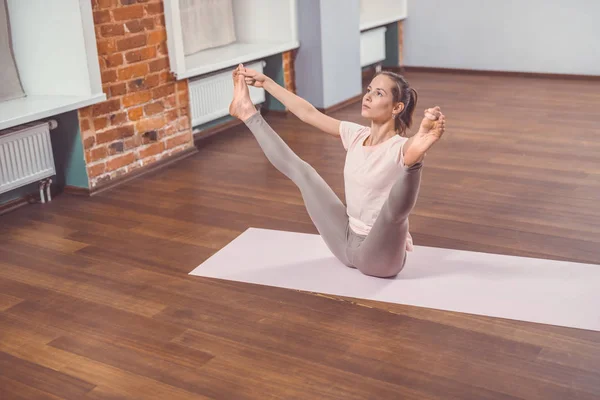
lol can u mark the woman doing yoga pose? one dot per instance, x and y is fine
(382, 171)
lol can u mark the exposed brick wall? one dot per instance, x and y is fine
(146, 115)
(289, 73)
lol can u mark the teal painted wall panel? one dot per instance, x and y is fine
(392, 51)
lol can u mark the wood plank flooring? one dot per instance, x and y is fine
(96, 303)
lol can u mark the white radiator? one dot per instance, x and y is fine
(25, 155)
(210, 96)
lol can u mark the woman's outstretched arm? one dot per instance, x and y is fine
(298, 106)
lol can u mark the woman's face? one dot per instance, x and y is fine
(378, 102)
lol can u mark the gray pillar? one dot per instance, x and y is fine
(327, 65)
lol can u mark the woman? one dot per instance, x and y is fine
(382, 172)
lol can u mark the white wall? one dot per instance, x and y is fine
(544, 36)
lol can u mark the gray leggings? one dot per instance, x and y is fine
(382, 252)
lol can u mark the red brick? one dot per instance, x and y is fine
(109, 76)
(163, 91)
(162, 49)
(114, 134)
(183, 99)
(101, 17)
(128, 2)
(149, 137)
(160, 20)
(148, 52)
(151, 150)
(157, 37)
(154, 8)
(164, 77)
(134, 26)
(106, 107)
(136, 98)
(148, 23)
(118, 89)
(140, 55)
(170, 102)
(154, 108)
(116, 148)
(131, 42)
(172, 115)
(96, 170)
(179, 140)
(112, 30)
(128, 13)
(160, 64)
(135, 113)
(102, 4)
(184, 123)
(133, 71)
(100, 123)
(182, 85)
(183, 111)
(168, 130)
(131, 142)
(143, 83)
(176, 150)
(114, 60)
(120, 161)
(139, 25)
(96, 154)
(89, 142)
(106, 46)
(85, 125)
(85, 112)
(150, 124)
(118, 119)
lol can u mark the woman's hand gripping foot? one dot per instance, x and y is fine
(431, 130)
(241, 106)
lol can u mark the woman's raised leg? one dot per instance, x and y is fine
(325, 209)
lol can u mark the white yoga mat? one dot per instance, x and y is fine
(518, 288)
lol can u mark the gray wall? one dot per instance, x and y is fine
(327, 66)
(545, 36)
(340, 34)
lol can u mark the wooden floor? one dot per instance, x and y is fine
(96, 303)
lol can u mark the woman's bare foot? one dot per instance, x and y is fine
(431, 130)
(241, 106)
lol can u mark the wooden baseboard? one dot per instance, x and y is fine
(397, 69)
(76, 191)
(277, 113)
(341, 105)
(29, 198)
(15, 204)
(203, 134)
(502, 73)
(142, 171)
